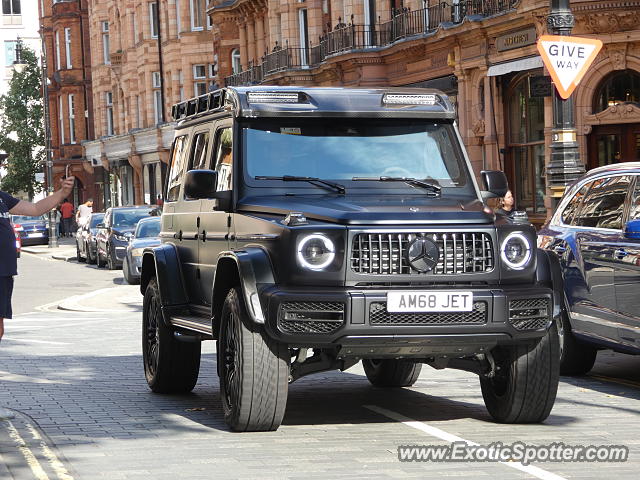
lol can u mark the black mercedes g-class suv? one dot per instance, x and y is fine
(306, 229)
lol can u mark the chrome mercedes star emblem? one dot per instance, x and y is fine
(414, 209)
(423, 254)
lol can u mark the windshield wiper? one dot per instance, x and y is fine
(432, 187)
(292, 178)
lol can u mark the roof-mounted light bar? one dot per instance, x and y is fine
(410, 99)
(273, 97)
(208, 102)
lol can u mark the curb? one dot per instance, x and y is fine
(63, 258)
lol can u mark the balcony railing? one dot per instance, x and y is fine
(345, 38)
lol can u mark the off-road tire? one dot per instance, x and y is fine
(526, 382)
(391, 373)
(576, 358)
(253, 371)
(170, 366)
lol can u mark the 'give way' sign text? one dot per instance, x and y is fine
(567, 59)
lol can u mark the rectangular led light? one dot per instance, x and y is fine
(409, 99)
(273, 97)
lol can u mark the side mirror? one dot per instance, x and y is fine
(495, 183)
(632, 230)
(200, 184)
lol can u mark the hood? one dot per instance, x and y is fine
(145, 242)
(373, 210)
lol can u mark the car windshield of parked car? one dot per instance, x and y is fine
(95, 220)
(25, 218)
(128, 218)
(148, 229)
(341, 149)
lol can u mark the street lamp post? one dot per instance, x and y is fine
(565, 165)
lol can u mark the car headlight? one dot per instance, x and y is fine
(137, 252)
(316, 251)
(122, 238)
(515, 251)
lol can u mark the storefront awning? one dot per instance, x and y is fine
(519, 65)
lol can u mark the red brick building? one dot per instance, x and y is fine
(63, 27)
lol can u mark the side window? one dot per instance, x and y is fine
(634, 209)
(198, 158)
(224, 158)
(604, 205)
(176, 173)
(569, 213)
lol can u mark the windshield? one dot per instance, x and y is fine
(150, 228)
(24, 218)
(341, 149)
(128, 218)
(96, 219)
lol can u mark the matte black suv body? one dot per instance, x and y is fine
(306, 229)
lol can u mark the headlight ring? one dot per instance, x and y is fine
(316, 252)
(515, 251)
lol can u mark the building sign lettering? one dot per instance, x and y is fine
(518, 39)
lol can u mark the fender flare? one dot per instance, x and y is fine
(163, 262)
(251, 270)
(549, 272)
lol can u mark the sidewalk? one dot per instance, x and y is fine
(65, 251)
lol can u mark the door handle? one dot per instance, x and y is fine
(178, 235)
(204, 236)
(620, 253)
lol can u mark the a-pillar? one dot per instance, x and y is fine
(491, 149)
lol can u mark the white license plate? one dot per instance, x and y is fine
(34, 235)
(434, 301)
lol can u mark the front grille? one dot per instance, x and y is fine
(310, 317)
(378, 315)
(529, 313)
(385, 253)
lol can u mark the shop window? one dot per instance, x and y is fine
(525, 142)
(619, 87)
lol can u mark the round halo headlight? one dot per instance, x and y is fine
(515, 251)
(316, 252)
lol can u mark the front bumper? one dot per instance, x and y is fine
(356, 320)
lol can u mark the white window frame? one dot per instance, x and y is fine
(197, 90)
(303, 30)
(138, 112)
(58, 59)
(155, 80)
(61, 118)
(236, 66)
(72, 117)
(178, 19)
(157, 106)
(193, 7)
(153, 25)
(109, 110)
(67, 46)
(135, 26)
(204, 70)
(106, 44)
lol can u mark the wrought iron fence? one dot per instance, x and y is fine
(345, 38)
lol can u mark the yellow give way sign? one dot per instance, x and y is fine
(567, 59)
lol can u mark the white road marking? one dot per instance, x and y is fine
(28, 455)
(449, 437)
(55, 464)
(52, 326)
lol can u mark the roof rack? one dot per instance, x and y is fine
(209, 102)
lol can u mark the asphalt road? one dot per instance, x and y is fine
(74, 386)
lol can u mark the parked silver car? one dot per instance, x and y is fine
(146, 235)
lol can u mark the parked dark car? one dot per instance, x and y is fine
(86, 246)
(595, 233)
(147, 235)
(115, 231)
(32, 230)
(347, 223)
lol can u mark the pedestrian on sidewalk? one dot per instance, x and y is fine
(84, 213)
(8, 259)
(67, 217)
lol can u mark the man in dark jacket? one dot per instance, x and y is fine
(8, 262)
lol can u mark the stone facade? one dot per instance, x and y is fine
(483, 54)
(141, 67)
(65, 39)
